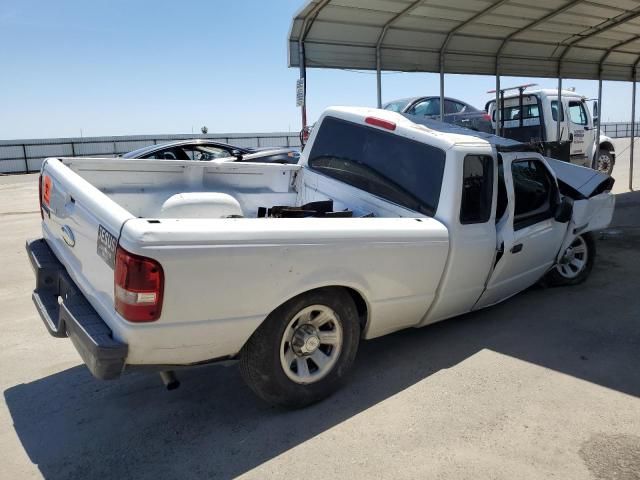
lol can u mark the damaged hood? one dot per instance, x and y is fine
(579, 182)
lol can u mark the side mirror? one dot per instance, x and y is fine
(596, 114)
(236, 153)
(564, 210)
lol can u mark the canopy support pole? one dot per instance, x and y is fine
(594, 160)
(383, 33)
(633, 129)
(303, 76)
(302, 58)
(442, 91)
(379, 76)
(498, 109)
(560, 111)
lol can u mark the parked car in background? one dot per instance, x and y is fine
(455, 111)
(210, 150)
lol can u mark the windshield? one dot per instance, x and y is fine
(397, 105)
(395, 168)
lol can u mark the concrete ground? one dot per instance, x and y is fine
(621, 168)
(545, 385)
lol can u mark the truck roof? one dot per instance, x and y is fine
(542, 92)
(433, 132)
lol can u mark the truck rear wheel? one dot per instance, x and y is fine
(576, 263)
(303, 350)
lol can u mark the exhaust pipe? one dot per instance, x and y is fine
(169, 379)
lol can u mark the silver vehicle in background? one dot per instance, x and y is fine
(455, 111)
(211, 150)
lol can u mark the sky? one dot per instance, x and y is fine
(115, 67)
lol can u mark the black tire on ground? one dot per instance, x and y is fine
(555, 278)
(606, 162)
(260, 358)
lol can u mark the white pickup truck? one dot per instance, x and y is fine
(384, 224)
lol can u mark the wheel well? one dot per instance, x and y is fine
(358, 300)
(606, 146)
(361, 306)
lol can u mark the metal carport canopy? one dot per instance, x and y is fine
(580, 39)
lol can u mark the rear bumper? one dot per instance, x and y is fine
(66, 313)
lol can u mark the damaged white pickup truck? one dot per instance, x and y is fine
(384, 224)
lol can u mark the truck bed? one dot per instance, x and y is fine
(225, 274)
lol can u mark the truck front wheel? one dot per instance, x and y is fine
(576, 262)
(605, 162)
(303, 350)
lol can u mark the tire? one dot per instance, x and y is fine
(574, 268)
(605, 162)
(319, 325)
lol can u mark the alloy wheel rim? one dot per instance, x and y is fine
(574, 260)
(603, 163)
(311, 344)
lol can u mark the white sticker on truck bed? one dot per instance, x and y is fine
(107, 243)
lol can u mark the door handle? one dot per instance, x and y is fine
(516, 248)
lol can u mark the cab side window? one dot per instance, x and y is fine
(577, 113)
(535, 193)
(477, 189)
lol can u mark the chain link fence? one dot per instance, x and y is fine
(24, 156)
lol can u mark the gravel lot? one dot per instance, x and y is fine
(545, 385)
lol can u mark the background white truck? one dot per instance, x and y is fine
(385, 224)
(532, 115)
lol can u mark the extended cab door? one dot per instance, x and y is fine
(528, 236)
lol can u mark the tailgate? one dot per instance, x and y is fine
(81, 225)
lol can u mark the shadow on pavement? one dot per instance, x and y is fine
(73, 426)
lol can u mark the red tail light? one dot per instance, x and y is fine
(40, 196)
(487, 117)
(379, 122)
(138, 287)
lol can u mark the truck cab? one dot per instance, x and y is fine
(532, 116)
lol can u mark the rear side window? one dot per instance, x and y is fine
(535, 192)
(477, 189)
(554, 111)
(398, 169)
(453, 107)
(514, 113)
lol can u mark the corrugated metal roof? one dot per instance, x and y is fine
(521, 37)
